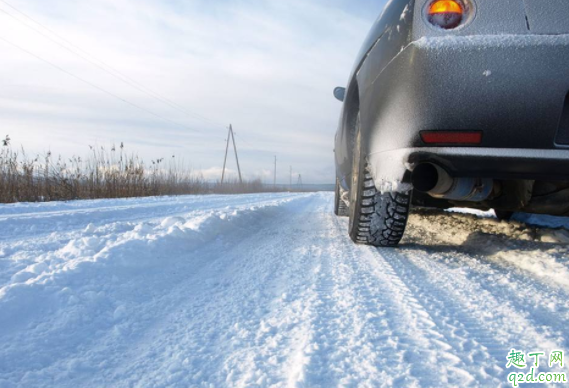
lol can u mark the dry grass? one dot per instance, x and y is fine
(104, 173)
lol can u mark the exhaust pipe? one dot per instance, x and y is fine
(435, 181)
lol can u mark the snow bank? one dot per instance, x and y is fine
(72, 288)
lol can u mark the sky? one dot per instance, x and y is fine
(183, 71)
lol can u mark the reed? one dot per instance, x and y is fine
(103, 173)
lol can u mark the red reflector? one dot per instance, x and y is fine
(451, 137)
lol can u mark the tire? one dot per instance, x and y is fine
(340, 207)
(375, 219)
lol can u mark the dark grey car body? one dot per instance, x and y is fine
(505, 73)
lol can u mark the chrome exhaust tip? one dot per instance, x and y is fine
(436, 181)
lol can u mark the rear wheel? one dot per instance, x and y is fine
(375, 219)
(340, 207)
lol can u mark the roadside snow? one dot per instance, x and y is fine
(268, 290)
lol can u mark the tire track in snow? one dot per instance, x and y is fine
(495, 324)
(351, 330)
(370, 330)
(341, 352)
(469, 354)
(469, 346)
(301, 305)
(544, 306)
(276, 353)
(497, 264)
(422, 355)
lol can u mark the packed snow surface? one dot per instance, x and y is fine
(268, 290)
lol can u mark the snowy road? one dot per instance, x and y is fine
(268, 290)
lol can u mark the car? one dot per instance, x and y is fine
(455, 103)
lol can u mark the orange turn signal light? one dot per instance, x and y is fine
(445, 6)
(446, 14)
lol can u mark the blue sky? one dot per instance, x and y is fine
(267, 67)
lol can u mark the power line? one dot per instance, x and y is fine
(102, 65)
(95, 86)
(108, 69)
(242, 139)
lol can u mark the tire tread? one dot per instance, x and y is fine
(382, 218)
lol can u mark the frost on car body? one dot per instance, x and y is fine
(473, 115)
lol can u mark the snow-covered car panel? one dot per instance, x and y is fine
(393, 25)
(497, 78)
(484, 17)
(504, 92)
(494, 84)
(547, 16)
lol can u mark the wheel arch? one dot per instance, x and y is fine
(350, 117)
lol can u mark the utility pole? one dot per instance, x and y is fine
(299, 181)
(275, 175)
(225, 158)
(236, 157)
(231, 136)
(290, 179)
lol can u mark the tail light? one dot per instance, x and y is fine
(452, 137)
(446, 14)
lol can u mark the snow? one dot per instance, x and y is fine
(468, 42)
(268, 290)
(405, 13)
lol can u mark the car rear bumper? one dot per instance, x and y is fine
(496, 163)
(511, 87)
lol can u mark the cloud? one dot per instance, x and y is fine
(267, 67)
